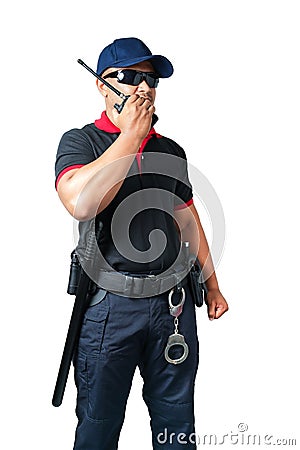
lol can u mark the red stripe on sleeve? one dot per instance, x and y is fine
(184, 205)
(76, 166)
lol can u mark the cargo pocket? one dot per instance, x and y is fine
(93, 328)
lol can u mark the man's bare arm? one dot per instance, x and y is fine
(191, 230)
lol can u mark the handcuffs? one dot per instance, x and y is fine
(176, 338)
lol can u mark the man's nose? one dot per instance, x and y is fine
(143, 87)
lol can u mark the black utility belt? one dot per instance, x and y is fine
(140, 286)
(144, 285)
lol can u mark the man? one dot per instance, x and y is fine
(121, 162)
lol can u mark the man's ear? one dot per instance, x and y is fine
(101, 88)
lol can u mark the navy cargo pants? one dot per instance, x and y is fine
(119, 334)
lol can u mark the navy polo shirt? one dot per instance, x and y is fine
(139, 234)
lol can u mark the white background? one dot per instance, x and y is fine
(233, 104)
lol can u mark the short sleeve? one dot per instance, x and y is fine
(183, 191)
(74, 151)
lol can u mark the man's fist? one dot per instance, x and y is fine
(216, 304)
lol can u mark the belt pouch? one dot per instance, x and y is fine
(197, 283)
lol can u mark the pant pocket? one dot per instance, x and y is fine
(97, 405)
(93, 328)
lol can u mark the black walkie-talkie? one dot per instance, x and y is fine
(124, 97)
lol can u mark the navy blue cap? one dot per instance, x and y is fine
(126, 52)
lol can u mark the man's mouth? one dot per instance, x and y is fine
(147, 97)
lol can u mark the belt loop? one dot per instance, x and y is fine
(157, 285)
(138, 285)
(128, 285)
(177, 283)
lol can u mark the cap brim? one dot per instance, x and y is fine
(161, 64)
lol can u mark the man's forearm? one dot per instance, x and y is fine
(88, 190)
(191, 230)
(194, 233)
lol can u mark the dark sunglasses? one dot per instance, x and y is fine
(134, 77)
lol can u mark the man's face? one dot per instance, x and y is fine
(143, 90)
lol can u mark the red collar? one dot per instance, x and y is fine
(105, 124)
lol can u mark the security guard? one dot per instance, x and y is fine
(135, 183)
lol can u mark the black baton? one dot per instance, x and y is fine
(79, 308)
